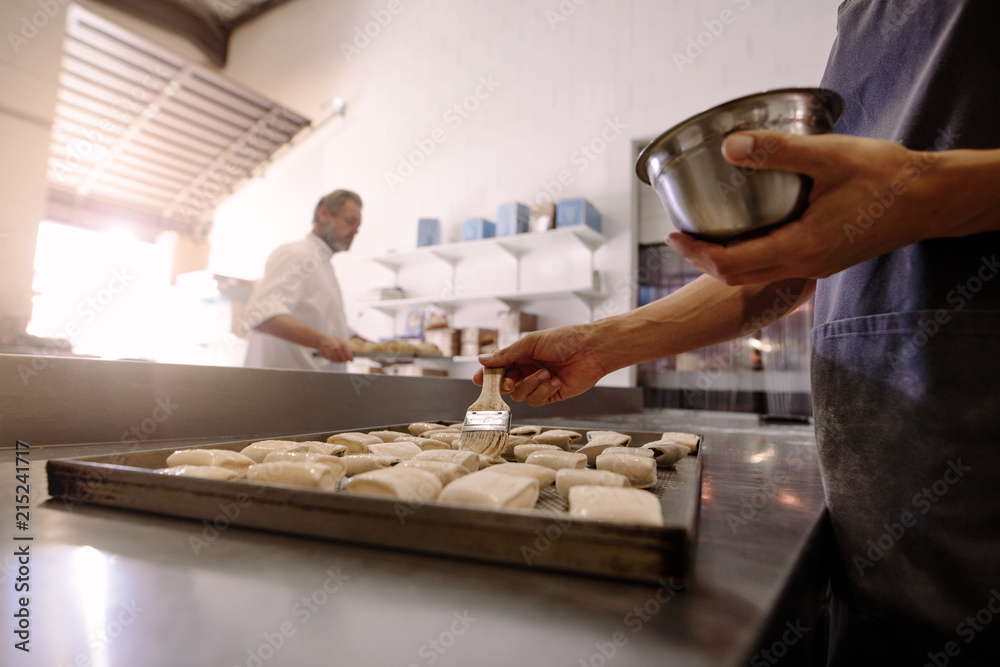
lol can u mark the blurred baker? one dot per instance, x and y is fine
(296, 312)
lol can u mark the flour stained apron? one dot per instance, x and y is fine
(907, 411)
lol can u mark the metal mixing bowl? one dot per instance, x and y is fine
(709, 198)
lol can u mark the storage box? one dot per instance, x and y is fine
(512, 324)
(512, 218)
(474, 339)
(448, 340)
(542, 217)
(478, 228)
(428, 232)
(576, 212)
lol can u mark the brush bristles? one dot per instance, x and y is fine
(488, 443)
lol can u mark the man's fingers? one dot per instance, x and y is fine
(767, 149)
(530, 384)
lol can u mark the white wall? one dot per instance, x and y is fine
(563, 74)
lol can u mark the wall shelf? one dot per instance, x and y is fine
(585, 285)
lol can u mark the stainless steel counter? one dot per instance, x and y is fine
(112, 588)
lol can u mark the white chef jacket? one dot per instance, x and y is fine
(299, 281)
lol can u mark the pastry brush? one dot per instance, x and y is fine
(487, 423)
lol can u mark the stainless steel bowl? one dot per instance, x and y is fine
(709, 198)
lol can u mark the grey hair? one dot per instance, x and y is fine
(335, 201)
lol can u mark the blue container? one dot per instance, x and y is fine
(478, 228)
(576, 212)
(512, 218)
(428, 232)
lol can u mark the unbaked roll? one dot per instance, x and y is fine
(567, 478)
(295, 473)
(640, 470)
(258, 450)
(614, 505)
(224, 458)
(492, 490)
(404, 483)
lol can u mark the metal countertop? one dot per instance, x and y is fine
(111, 587)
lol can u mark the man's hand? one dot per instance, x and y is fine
(868, 197)
(551, 365)
(334, 349)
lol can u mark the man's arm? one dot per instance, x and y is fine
(288, 328)
(869, 197)
(556, 364)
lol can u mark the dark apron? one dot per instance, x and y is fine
(906, 360)
(908, 417)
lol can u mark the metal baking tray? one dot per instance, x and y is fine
(543, 538)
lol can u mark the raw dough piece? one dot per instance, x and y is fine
(468, 460)
(335, 463)
(356, 443)
(492, 490)
(567, 478)
(528, 430)
(449, 437)
(558, 460)
(205, 472)
(396, 482)
(401, 449)
(355, 464)
(512, 442)
(387, 436)
(614, 437)
(689, 440)
(522, 452)
(557, 436)
(419, 428)
(300, 473)
(606, 503)
(666, 453)
(326, 448)
(543, 475)
(640, 470)
(224, 458)
(425, 443)
(593, 450)
(486, 462)
(445, 471)
(629, 451)
(258, 450)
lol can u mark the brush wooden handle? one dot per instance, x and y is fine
(492, 381)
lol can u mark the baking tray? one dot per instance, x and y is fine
(542, 538)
